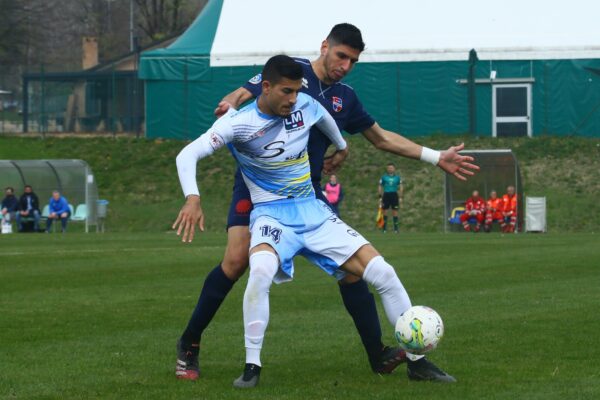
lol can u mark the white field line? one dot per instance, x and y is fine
(96, 251)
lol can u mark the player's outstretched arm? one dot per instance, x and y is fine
(448, 160)
(455, 164)
(190, 215)
(234, 99)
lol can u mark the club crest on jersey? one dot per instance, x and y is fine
(337, 103)
(256, 79)
(294, 121)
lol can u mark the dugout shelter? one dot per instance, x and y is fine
(72, 178)
(499, 169)
(536, 69)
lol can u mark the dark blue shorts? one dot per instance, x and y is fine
(241, 205)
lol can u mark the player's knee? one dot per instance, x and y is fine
(235, 263)
(378, 272)
(263, 264)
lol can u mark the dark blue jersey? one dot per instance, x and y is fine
(339, 100)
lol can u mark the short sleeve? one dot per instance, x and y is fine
(254, 85)
(359, 119)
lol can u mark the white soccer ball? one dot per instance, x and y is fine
(419, 330)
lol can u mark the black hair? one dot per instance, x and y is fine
(9, 188)
(27, 186)
(281, 66)
(348, 35)
(392, 164)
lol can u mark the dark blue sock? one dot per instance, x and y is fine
(215, 289)
(360, 304)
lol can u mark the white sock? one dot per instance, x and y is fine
(263, 267)
(383, 278)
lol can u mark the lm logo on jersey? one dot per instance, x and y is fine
(294, 121)
(337, 103)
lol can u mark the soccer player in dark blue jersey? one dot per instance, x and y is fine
(322, 80)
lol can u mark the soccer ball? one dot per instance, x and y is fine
(419, 330)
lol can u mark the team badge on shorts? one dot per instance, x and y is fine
(337, 103)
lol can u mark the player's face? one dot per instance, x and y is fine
(391, 169)
(338, 60)
(493, 195)
(510, 190)
(282, 96)
(475, 193)
(333, 179)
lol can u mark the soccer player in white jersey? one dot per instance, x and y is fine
(268, 139)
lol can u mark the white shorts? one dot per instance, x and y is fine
(304, 227)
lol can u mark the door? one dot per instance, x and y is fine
(511, 105)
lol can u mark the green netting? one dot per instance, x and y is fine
(413, 98)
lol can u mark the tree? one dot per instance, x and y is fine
(162, 18)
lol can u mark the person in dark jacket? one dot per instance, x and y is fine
(29, 207)
(9, 207)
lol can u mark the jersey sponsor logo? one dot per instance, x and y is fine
(337, 103)
(294, 121)
(256, 79)
(305, 83)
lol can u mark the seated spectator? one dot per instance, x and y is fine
(474, 208)
(509, 210)
(9, 207)
(58, 209)
(493, 212)
(29, 207)
(334, 194)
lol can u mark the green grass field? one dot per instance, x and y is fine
(97, 316)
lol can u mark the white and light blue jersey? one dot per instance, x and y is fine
(270, 150)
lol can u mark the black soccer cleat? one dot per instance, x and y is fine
(425, 370)
(187, 366)
(388, 360)
(249, 377)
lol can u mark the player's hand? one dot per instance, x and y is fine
(456, 164)
(222, 108)
(334, 161)
(190, 215)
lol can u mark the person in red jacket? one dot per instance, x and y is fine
(334, 194)
(493, 212)
(474, 208)
(509, 209)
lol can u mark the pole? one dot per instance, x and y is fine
(472, 90)
(42, 103)
(131, 47)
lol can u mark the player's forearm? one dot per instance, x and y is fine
(186, 163)
(395, 143)
(238, 97)
(328, 126)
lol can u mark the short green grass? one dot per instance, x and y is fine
(96, 317)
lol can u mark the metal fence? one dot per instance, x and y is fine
(105, 101)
